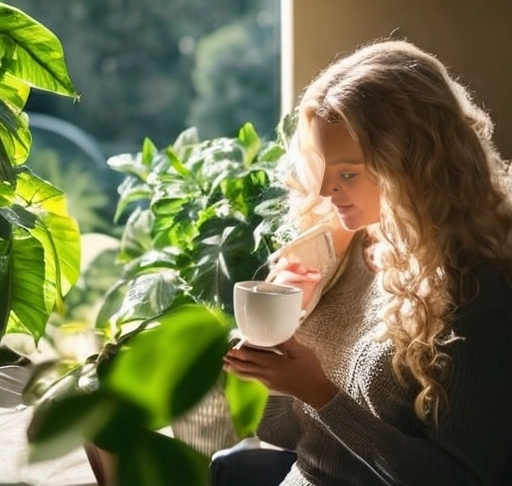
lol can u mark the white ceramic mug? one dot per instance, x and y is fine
(266, 314)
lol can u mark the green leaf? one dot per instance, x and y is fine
(168, 368)
(14, 133)
(5, 273)
(38, 58)
(40, 194)
(123, 427)
(185, 141)
(60, 238)
(250, 140)
(45, 254)
(61, 426)
(136, 238)
(148, 295)
(6, 192)
(149, 151)
(222, 256)
(131, 164)
(287, 127)
(246, 401)
(176, 163)
(46, 378)
(14, 92)
(157, 460)
(46, 218)
(32, 297)
(271, 154)
(18, 217)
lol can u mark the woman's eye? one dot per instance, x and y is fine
(347, 175)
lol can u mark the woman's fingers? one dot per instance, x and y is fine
(250, 363)
(294, 266)
(290, 277)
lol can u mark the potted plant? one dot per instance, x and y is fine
(205, 216)
(202, 215)
(39, 241)
(161, 356)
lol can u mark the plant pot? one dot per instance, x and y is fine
(208, 427)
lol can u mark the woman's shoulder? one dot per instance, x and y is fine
(487, 290)
(491, 283)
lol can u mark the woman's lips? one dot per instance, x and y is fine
(343, 208)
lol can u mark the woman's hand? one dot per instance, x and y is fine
(296, 372)
(292, 272)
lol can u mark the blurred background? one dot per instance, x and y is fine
(148, 68)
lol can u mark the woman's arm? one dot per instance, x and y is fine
(279, 424)
(471, 445)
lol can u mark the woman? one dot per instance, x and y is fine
(401, 374)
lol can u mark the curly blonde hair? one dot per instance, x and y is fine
(443, 205)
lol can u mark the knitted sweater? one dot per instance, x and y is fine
(368, 434)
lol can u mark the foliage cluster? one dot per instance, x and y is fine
(202, 215)
(39, 241)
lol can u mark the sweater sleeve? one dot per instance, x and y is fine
(279, 424)
(471, 444)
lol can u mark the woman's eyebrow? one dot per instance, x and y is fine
(344, 161)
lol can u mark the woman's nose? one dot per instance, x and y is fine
(327, 188)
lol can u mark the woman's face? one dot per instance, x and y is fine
(355, 196)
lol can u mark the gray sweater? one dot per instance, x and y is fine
(368, 434)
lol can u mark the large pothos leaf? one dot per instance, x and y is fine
(46, 252)
(59, 237)
(14, 134)
(33, 53)
(33, 297)
(14, 129)
(168, 368)
(14, 92)
(143, 456)
(40, 195)
(55, 229)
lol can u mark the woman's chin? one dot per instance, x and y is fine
(353, 223)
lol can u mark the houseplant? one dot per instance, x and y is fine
(118, 403)
(208, 218)
(39, 241)
(202, 215)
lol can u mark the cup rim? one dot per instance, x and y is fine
(286, 289)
